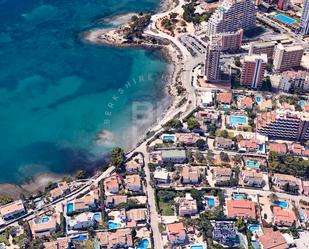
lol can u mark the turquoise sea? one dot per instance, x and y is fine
(57, 92)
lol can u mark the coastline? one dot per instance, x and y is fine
(38, 182)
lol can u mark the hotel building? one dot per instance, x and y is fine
(211, 70)
(231, 16)
(286, 57)
(263, 48)
(253, 70)
(305, 19)
(294, 79)
(283, 124)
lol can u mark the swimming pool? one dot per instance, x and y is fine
(44, 219)
(70, 208)
(143, 244)
(282, 204)
(112, 225)
(210, 202)
(253, 164)
(238, 120)
(239, 196)
(254, 227)
(168, 137)
(285, 19)
(261, 147)
(302, 103)
(197, 247)
(80, 237)
(97, 216)
(258, 99)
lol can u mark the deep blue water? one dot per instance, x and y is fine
(57, 92)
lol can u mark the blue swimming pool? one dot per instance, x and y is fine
(143, 244)
(70, 208)
(258, 99)
(210, 202)
(112, 225)
(285, 19)
(239, 196)
(197, 247)
(302, 103)
(97, 216)
(282, 204)
(238, 120)
(80, 238)
(44, 219)
(254, 227)
(253, 164)
(261, 147)
(168, 137)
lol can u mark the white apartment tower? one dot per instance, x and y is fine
(212, 61)
(231, 16)
(305, 19)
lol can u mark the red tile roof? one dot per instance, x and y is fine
(225, 98)
(278, 147)
(273, 240)
(241, 208)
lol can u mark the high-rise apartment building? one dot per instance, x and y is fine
(294, 80)
(231, 41)
(305, 19)
(286, 57)
(253, 70)
(263, 48)
(283, 124)
(231, 16)
(212, 61)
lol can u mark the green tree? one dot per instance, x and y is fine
(200, 143)
(192, 123)
(117, 157)
(80, 174)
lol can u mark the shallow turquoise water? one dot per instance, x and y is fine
(56, 91)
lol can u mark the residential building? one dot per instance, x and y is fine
(231, 41)
(207, 99)
(264, 47)
(222, 175)
(305, 19)
(273, 240)
(176, 233)
(137, 215)
(112, 184)
(43, 226)
(190, 175)
(245, 103)
(294, 80)
(280, 148)
(241, 209)
(12, 210)
(121, 238)
(187, 206)
(224, 143)
(81, 221)
(305, 188)
(60, 243)
(265, 105)
(87, 202)
(133, 183)
(212, 60)
(283, 5)
(174, 156)
(224, 232)
(134, 165)
(287, 183)
(161, 176)
(248, 146)
(61, 189)
(287, 57)
(283, 217)
(253, 70)
(225, 98)
(188, 139)
(231, 16)
(283, 124)
(114, 200)
(209, 117)
(253, 179)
